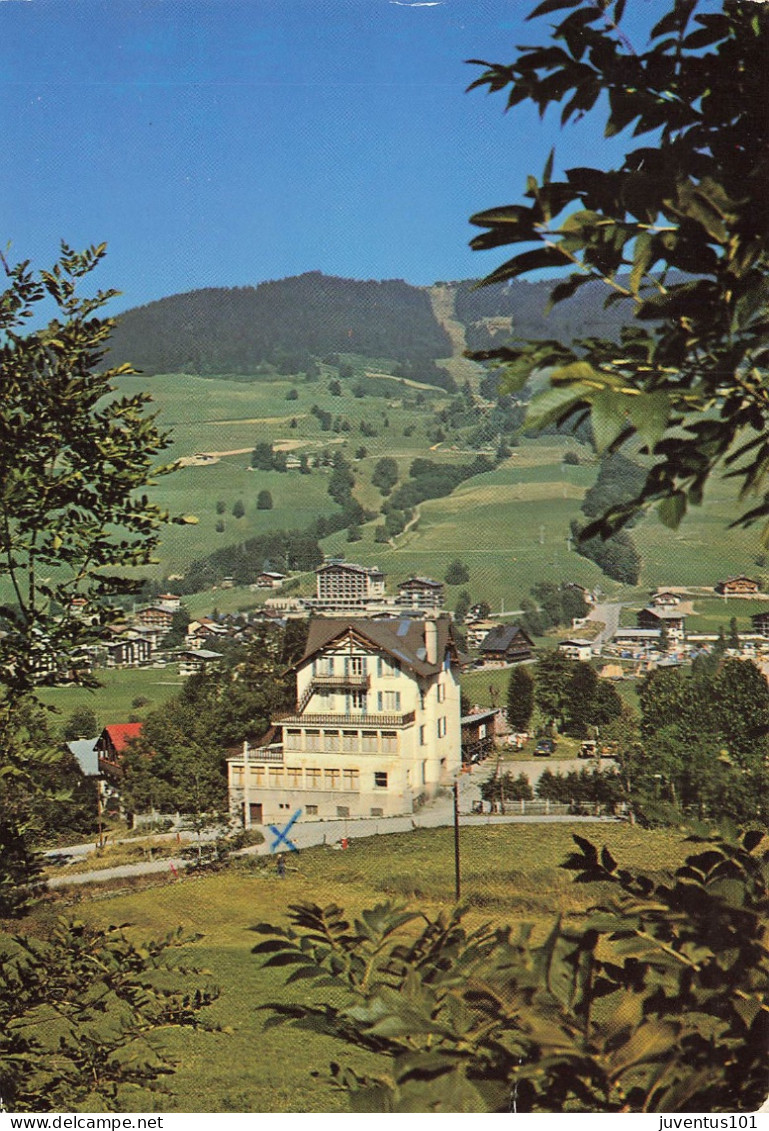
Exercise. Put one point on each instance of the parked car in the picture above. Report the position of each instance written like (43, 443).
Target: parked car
(544, 748)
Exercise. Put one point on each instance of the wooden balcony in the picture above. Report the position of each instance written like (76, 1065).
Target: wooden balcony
(348, 721)
(342, 682)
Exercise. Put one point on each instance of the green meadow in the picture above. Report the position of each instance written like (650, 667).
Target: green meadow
(510, 874)
(116, 701)
(511, 525)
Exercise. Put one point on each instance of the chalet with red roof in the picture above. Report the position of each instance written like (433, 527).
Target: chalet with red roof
(112, 744)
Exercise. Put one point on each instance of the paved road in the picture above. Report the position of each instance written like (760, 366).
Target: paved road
(609, 614)
(310, 834)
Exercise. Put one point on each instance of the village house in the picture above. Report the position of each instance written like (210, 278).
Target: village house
(673, 619)
(576, 649)
(112, 744)
(155, 617)
(128, 651)
(737, 586)
(421, 593)
(192, 661)
(170, 601)
(760, 623)
(662, 598)
(476, 631)
(506, 644)
(268, 579)
(479, 731)
(200, 632)
(375, 730)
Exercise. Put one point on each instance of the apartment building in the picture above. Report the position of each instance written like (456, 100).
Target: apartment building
(375, 730)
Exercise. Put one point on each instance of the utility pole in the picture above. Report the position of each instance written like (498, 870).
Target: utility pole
(457, 882)
(246, 785)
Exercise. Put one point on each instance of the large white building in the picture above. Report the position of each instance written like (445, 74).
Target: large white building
(375, 730)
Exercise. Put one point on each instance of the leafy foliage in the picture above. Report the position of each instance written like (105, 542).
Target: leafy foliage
(75, 461)
(678, 234)
(81, 1014)
(657, 1002)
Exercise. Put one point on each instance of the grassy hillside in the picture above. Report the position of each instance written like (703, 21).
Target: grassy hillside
(510, 874)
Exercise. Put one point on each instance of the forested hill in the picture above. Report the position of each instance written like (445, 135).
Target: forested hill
(283, 324)
(491, 314)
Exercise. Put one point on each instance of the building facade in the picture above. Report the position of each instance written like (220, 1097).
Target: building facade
(375, 731)
(421, 593)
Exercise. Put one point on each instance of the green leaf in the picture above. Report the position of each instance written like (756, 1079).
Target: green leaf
(649, 414)
(672, 509)
(608, 416)
(552, 405)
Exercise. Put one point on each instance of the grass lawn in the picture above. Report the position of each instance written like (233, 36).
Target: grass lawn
(113, 701)
(510, 874)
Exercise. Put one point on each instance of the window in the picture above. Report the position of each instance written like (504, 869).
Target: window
(313, 778)
(422, 738)
(312, 740)
(257, 775)
(388, 701)
(442, 726)
(343, 810)
(357, 700)
(368, 742)
(324, 666)
(424, 773)
(380, 780)
(311, 810)
(441, 692)
(294, 775)
(331, 740)
(351, 779)
(292, 740)
(376, 812)
(349, 741)
(331, 779)
(355, 665)
(389, 742)
(276, 776)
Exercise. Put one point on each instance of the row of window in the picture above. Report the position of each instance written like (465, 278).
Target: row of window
(292, 777)
(346, 741)
(353, 665)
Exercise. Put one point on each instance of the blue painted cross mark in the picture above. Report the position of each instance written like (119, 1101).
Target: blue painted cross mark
(281, 835)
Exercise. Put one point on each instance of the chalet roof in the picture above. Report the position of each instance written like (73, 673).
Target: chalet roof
(86, 755)
(479, 716)
(200, 653)
(575, 643)
(665, 614)
(401, 637)
(120, 734)
(500, 638)
(425, 582)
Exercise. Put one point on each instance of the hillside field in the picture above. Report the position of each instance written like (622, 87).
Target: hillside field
(510, 874)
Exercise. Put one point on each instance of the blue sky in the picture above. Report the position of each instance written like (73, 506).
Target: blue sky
(224, 142)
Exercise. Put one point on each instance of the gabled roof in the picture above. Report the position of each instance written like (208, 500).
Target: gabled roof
(499, 639)
(120, 734)
(400, 637)
(86, 755)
